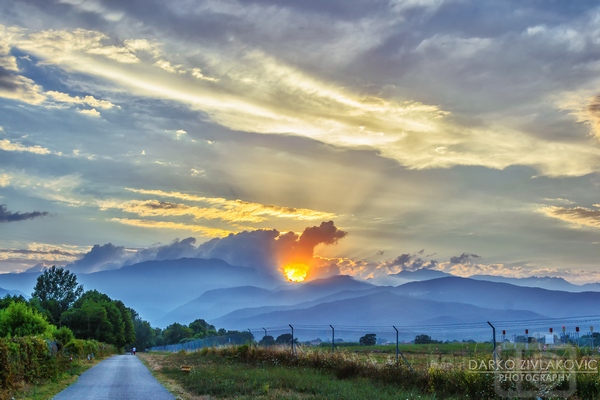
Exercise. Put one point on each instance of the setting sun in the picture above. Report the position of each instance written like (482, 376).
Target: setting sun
(295, 272)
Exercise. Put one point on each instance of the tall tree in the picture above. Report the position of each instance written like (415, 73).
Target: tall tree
(57, 290)
(96, 316)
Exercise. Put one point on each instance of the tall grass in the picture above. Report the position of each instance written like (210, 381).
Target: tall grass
(246, 371)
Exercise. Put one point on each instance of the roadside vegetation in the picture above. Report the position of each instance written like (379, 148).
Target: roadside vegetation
(57, 334)
(245, 372)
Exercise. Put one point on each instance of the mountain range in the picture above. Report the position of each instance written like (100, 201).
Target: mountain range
(234, 297)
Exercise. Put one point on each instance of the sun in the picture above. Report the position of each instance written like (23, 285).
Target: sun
(295, 272)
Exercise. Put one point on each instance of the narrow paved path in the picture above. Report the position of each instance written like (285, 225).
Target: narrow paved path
(117, 378)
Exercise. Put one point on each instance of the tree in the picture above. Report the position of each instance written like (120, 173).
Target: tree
(8, 299)
(202, 329)
(18, 319)
(144, 334)
(369, 339)
(423, 339)
(267, 340)
(96, 316)
(175, 333)
(285, 338)
(57, 290)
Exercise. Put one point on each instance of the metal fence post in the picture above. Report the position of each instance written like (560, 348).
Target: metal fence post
(332, 338)
(293, 349)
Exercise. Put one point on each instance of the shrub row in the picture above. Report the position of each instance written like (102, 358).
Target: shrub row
(26, 360)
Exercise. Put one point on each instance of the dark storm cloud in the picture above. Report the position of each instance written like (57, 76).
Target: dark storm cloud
(463, 258)
(8, 216)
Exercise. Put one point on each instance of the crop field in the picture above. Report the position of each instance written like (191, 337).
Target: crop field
(437, 371)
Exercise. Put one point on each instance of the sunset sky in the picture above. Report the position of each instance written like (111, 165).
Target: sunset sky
(464, 135)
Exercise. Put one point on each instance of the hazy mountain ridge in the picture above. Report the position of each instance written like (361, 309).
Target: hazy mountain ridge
(504, 296)
(382, 308)
(215, 303)
(234, 297)
(544, 282)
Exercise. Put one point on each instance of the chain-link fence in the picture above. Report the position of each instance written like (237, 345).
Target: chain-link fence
(574, 330)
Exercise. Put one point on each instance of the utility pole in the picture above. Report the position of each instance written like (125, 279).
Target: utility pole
(265, 332)
(250, 337)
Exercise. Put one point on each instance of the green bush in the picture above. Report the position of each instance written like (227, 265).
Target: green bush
(18, 319)
(63, 336)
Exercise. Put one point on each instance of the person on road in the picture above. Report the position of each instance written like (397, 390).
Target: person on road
(133, 351)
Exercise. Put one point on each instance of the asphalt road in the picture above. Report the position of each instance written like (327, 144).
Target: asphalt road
(121, 377)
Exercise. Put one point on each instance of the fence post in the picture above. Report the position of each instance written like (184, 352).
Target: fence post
(493, 341)
(332, 338)
(397, 349)
(293, 350)
(399, 352)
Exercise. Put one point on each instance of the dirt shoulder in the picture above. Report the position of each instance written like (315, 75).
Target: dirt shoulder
(155, 363)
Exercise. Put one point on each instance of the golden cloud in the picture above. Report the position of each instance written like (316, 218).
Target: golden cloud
(4, 180)
(576, 215)
(203, 230)
(87, 100)
(7, 145)
(227, 210)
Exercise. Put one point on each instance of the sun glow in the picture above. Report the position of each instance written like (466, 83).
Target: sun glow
(295, 272)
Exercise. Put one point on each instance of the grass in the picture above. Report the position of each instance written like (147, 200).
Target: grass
(241, 372)
(49, 389)
(228, 375)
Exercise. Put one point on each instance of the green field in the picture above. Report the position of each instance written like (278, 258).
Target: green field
(439, 371)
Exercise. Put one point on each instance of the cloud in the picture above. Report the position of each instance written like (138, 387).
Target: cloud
(593, 112)
(220, 208)
(258, 92)
(7, 145)
(576, 215)
(270, 250)
(90, 113)
(99, 258)
(63, 189)
(255, 249)
(410, 262)
(8, 216)
(86, 100)
(41, 252)
(301, 249)
(17, 87)
(204, 230)
(463, 258)
(197, 73)
(4, 180)
(175, 250)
